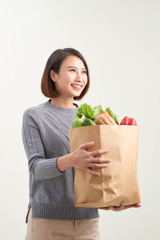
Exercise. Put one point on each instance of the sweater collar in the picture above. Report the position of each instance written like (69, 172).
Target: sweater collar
(60, 109)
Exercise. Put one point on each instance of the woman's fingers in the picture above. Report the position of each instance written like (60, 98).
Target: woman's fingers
(99, 152)
(100, 160)
(92, 172)
(114, 208)
(96, 152)
(133, 205)
(137, 205)
(121, 207)
(98, 165)
(86, 160)
(86, 145)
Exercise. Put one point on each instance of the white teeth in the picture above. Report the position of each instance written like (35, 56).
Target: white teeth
(78, 86)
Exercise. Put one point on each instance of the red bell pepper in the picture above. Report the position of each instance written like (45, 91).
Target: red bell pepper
(128, 121)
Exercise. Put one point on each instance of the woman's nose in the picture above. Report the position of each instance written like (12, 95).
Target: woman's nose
(79, 76)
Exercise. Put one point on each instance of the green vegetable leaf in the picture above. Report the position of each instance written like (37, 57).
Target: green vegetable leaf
(97, 110)
(78, 115)
(86, 110)
(113, 115)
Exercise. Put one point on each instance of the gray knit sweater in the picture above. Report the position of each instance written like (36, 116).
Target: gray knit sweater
(45, 138)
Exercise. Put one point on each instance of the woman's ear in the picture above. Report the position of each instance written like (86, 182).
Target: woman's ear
(52, 75)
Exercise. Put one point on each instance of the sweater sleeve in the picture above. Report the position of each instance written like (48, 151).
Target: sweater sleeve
(40, 166)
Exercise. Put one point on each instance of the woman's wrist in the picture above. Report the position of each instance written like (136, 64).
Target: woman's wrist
(65, 162)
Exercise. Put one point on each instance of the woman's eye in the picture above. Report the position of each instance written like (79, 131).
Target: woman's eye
(73, 70)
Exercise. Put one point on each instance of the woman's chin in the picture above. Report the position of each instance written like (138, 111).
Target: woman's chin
(77, 94)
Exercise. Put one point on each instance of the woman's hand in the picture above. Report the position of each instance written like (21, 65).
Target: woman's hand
(86, 160)
(121, 207)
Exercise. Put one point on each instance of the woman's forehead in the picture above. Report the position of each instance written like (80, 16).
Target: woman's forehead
(73, 61)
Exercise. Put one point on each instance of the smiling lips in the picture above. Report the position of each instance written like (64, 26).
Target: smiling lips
(76, 86)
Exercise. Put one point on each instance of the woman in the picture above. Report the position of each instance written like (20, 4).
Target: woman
(51, 165)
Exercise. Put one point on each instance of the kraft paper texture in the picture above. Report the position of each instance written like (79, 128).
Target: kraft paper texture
(118, 182)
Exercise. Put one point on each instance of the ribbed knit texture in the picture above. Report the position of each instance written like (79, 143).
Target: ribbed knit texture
(45, 138)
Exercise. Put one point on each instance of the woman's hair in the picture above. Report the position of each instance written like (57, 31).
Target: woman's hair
(54, 63)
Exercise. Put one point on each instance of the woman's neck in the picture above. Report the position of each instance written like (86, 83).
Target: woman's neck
(63, 103)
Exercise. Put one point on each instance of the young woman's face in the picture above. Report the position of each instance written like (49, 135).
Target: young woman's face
(72, 77)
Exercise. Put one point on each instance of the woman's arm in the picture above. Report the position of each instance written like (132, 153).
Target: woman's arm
(83, 159)
(41, 167)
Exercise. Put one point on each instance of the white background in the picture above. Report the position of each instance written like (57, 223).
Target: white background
(120, 41)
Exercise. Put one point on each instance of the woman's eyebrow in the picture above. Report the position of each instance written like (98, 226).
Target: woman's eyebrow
(75, 67)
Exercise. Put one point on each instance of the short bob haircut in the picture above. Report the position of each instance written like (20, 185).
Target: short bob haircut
(54, 63)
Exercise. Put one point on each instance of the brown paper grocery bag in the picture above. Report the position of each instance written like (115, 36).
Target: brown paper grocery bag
(118, 182)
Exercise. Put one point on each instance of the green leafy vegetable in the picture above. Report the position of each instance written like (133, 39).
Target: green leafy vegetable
(88, 112)
(79, 115)
(97, 110)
